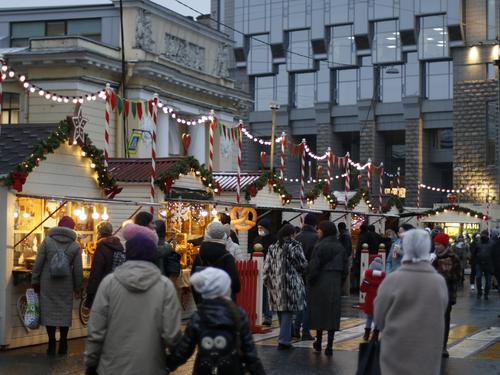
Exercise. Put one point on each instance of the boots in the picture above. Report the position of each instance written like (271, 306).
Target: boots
(51, 333)
(329, 344)
(366, 336)
(317, 343)
(63, 342)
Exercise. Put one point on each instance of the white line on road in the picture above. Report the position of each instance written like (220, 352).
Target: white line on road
(475, 343)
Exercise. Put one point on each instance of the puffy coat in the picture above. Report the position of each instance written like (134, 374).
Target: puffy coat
(327, 269)
(483, 255)
(102, 264)
(56, 294)
(308, 238)
(221, 332)
(235, 250)
(371, 281)
(135, 317)
(283, 270)
(448, 265)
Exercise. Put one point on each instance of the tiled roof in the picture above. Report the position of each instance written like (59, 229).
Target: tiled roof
(17, 141)
(227, 180)
(138, 170)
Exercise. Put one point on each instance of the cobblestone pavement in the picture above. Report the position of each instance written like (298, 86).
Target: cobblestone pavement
(474, 347)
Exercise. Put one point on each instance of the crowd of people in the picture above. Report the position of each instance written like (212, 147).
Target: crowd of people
(305, 272)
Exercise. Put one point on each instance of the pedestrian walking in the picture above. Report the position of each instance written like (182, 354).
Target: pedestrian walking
(472, 260)
(168, 261)
(448, 265)
(57, 276)
(484, 265)
(396, 253)
(389, 239)
(262, 242)
(325, 275)
(232, 247)
(284, 267)
(372, 279)
(108, 255)
(219, 330)
(461, 250)
(135, 316)
(308, 238)
(495, 254)
(213, 253)
(409, 308)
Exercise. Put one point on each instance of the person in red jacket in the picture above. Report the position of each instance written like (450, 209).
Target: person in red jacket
(372, 279)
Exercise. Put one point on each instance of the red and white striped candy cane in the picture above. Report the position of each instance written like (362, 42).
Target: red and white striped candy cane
(347, 179)
(211, 142)
(302, 174)
(418, 194)
(282, 165)
(398, 178)
(153, 151)
(369, 176)
(381, 186)
(238, 176)
(329, 165)
(107, 115)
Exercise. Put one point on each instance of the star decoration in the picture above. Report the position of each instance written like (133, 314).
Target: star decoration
(78, 123)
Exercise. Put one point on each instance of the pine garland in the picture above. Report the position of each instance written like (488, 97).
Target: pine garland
(52, 143)
(185, 166)
(393, 201)
(322, 188)
(454, 208)
(263, 181)
(360, 194)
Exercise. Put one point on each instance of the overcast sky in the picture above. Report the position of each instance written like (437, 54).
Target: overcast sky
(201, 5)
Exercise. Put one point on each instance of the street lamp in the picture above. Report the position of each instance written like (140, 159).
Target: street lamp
(273, 106)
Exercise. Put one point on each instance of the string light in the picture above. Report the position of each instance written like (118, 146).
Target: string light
(105, 215)
(445, 190)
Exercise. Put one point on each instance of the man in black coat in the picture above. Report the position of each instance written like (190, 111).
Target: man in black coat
(346, 242)
(377, 240)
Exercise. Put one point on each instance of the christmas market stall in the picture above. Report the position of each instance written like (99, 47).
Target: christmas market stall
(46, 171)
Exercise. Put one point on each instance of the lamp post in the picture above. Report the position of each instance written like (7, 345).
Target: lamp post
(273, 106)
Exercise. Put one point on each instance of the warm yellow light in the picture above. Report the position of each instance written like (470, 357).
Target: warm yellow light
(77, 212)
(105, 215)
(83, 153)
(473, 54)
(494, 53)
(95, 214)
(92, 165)
(16, 214)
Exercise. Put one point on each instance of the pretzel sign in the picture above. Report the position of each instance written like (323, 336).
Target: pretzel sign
(241, 220)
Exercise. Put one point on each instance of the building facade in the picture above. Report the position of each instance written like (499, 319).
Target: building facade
(76, 50)
(411, 84)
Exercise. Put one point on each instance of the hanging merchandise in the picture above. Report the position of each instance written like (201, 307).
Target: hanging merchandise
(186, 142)
(263, 158)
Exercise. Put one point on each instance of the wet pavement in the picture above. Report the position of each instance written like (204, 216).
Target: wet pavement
(474, 347)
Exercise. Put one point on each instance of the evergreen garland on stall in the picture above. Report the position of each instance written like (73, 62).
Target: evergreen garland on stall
(324, 189)
(264, 179)
(453, 208)
(360, 194)
(393, 201)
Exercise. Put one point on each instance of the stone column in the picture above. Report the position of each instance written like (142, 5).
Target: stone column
(414, 141)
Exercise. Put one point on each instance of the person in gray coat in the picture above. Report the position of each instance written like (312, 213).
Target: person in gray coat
(56, 294)
(409, 308)
(326, 273)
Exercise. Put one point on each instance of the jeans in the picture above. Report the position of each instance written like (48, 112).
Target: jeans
(369, 321)
(302, 321)
(285, 319)
(479, 281)
(268, 314)
(447, 321)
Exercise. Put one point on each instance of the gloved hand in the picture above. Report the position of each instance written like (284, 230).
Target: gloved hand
(36, 288)
(91, 370)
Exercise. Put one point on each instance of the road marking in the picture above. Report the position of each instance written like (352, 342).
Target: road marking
(475, 343)
(491, 352)
(460, 332)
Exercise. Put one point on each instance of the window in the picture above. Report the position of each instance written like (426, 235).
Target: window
(390, 84)
(431, 6)
(10, 108)
(395, 156)
(491, 132)
(264, 87)
(21, 32)
(300, 45)
(365, 88)
(298, 13)
(322, 83)
(304, 90)
(491, 71)
(281, 84)
(342, 50)
(346, 86)
(259, 57)
(492, 24)
(339, 11)
(439, 80)
(411, 75)
(443, 139)
(381, 9)
(386, 43)
(433, 38)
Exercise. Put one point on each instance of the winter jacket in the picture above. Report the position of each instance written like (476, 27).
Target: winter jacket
(135, 317)
(448, 265)
(102, 264)
(346, 242)
(308, 238)
(283, 270)
(369, 238)
(326, 271)
(266, 241)
(235, 250)
(221, 332)
(495, 255)
(483, 256)
(462, 252)
(56, 294)
(371, 281)
(393, 261)
(409, 311)
(214, 254)
(168, 261)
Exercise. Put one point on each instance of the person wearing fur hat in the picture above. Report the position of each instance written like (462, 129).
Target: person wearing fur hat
(56, 292)
(447, 264)
(125, 337)
(213, 253)
(372, 279)
(219, 330)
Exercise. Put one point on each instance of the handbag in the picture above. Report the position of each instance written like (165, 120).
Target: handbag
(369, 356)
(32, 314)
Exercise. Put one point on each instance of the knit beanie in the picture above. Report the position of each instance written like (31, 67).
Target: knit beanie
(140, 247)
(130, 230)
(211, 283)
(67, 222)
(311, 219)
(216, 232)
(376, 264)
(265, 223)
(442, 238)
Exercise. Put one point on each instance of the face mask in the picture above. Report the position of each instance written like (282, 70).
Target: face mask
(262, 232)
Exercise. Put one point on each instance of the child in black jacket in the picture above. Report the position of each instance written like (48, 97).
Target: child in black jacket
(219, 329)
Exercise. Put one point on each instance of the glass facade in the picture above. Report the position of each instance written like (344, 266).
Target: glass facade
(304, 90)
(259, 56)
(342, 50)
(492, 21)
(433, 38)
(439, 80)
(391, 84)
(346, 90)
(299, 51)
(386, 42)
(411, 85)
(264, 93)
(365, 79)
(443, 139)
(322, 91)
(299, 13)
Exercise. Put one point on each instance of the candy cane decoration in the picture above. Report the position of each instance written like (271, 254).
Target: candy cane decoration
(381, 186)
(369, 176)
(211, 142)
(302, 175)
(398, 178)
(107, 115)
(418, 194)
(329, 165)
(347, 178)
(153, 150)
(1, 92)
(238, 176)
(282, 165)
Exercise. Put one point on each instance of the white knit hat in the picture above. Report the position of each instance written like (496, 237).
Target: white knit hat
(216, 232)
(211, 283)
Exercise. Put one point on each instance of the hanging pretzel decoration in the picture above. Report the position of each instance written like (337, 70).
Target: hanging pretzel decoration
(243, 218)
